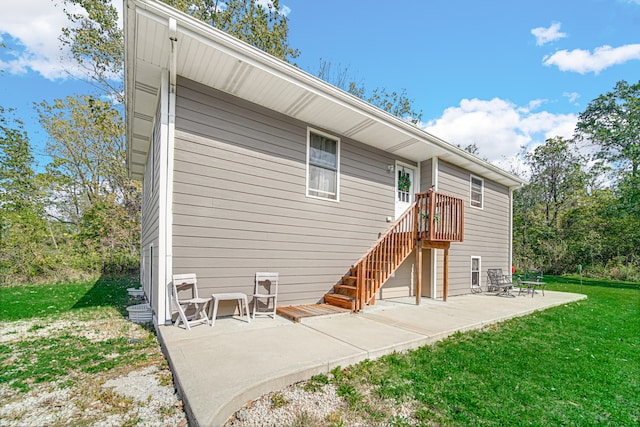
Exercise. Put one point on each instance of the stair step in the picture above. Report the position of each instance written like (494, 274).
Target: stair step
(348, 290)
(349, 280)
(340, 301)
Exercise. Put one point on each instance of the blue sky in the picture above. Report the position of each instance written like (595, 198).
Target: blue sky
(501, 74)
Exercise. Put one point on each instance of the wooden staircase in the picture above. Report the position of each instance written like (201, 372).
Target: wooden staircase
(433, 217)
(344, 294)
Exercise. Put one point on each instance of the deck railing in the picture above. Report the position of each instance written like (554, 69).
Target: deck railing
(433, 216)
(440, 217)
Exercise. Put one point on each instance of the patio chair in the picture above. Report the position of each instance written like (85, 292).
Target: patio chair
(498, 282)
(266, 288)
(191, 310)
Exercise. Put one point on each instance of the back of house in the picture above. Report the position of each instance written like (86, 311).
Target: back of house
(250, 164)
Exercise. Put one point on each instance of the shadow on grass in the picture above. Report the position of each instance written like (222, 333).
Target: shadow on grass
(108, 291)
(33, 301)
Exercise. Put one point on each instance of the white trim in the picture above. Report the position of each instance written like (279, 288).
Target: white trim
(471, 178)
(435, 170)
(171, 135)
(159, 304)
(479, 270)
(335, 138)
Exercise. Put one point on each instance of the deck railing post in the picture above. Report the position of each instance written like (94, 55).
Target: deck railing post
(360, 287)
(432, 214)
(416, 218)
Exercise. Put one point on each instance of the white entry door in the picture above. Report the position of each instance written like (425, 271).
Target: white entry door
(406, 187)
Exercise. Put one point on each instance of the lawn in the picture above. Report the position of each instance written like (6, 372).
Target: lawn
(576, 365)
(62, 345)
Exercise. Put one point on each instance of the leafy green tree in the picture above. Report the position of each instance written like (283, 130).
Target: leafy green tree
(96, 44)
(612, 122)
(89, 180)
(86, 143)
(262, 24)
(17, 178)
(557, 176)
(25, 245)
(558, 181)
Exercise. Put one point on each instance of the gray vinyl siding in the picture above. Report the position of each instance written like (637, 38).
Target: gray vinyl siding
(240, 205)
(426, 177)
(150, 213)
(401, 283)
(486, 232)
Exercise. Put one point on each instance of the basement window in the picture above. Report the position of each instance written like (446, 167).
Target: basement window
(475, 271)
(323, 164)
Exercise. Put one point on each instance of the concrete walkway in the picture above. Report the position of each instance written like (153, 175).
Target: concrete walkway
(218, 369)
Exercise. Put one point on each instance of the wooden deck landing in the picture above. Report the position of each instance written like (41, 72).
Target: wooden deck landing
(298, 312)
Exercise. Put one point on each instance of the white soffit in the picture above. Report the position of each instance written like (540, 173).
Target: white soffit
(213, 58)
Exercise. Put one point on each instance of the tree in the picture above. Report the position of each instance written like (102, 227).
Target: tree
(557, 183)
(97, 44)
(86, 143)
(262, 24)
(612, 122)
(24, 238)
(556, 175)
(89, 180)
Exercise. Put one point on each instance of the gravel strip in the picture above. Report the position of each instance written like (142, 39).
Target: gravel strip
(288, 407)
(143, 396)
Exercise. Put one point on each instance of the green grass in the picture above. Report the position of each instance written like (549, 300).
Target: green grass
(27, 302)
(95, 337)
(575, 365)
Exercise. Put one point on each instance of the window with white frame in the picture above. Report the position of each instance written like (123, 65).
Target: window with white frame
(323, 163)
(475, 271)
(477, 192)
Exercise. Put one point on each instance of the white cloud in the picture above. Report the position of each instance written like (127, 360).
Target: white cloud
(573, 96)
(499, 128)
(35, 26)
(547, 35)
(583, 61)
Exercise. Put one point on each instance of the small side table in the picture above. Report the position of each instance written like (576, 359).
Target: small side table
(237, 296)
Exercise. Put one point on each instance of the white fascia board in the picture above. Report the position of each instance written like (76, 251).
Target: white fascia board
(129, 84)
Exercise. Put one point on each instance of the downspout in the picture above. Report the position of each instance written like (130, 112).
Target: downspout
(160, 296)
(171, 133)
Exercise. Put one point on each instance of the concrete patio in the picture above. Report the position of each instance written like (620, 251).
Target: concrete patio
(218, 369)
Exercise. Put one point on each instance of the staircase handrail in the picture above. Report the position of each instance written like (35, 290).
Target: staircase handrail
(390, 250)
(391, 229)
(432, 216)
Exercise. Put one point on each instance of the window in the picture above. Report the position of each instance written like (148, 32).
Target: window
(475, 271)
(477, 192)
(323, 160)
